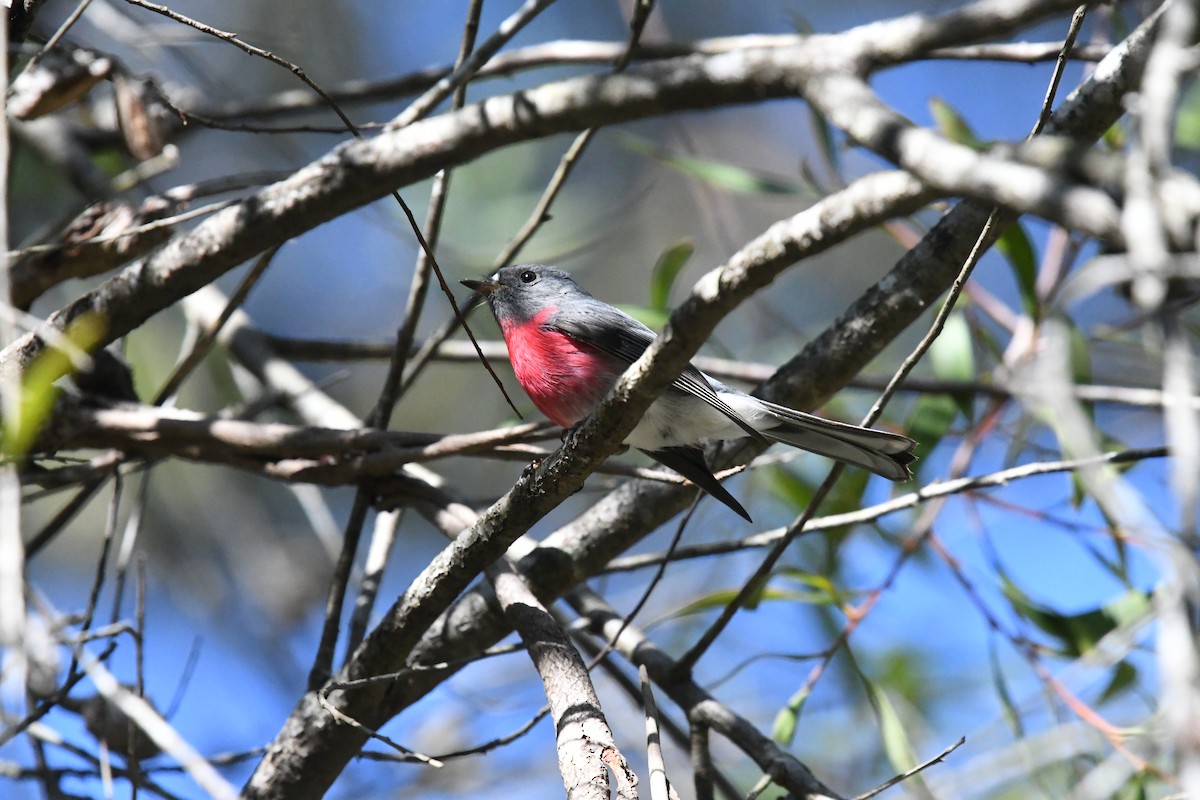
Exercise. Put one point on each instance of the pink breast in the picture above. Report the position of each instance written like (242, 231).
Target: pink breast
(564, 378)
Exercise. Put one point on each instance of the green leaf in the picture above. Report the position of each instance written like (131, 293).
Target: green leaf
(718, 173)
(1016, 248)
(790, 487)
(1011, 714)
(38, 390)
(952, 358)
(929, 421)
(847, 493)
(1124, 676)
(652, 318)
(1081, 356)
(1077, 634)
(784, 729)
(826, 140)
(670, 264)
(1187, 120)
(1135, 788)
(952, 124)
(895, 738)
(823, 590)
(952, 355)
(1079, 491)
(1116, 137)
(723, 597)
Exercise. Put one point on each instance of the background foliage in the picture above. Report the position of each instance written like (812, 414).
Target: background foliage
(1033, 590)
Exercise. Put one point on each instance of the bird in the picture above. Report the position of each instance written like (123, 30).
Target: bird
(568, 348)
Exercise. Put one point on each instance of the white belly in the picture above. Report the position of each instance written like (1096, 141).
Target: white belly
(680, 419)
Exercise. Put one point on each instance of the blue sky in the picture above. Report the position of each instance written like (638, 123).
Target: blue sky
(348, 279)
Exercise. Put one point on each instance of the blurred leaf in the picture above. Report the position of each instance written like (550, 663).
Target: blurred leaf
(1187, 120)
(1130, 607)
(139, 126)
(952, 124)
(1134, 788)
(891, 729)
(1116, 137)
(847, 493)
(951, 355)
(718, 173)
(1081, 358)
(906, 673)
(1079, 633)
(789, 486)
(723, 597)
(652, 318)
(792, 488)
(1124, 675)
(784, 729)
(808, 178)
(952, 358)
(800, 23)
(987, 344)
(1079, 491)
(823, 589)
(929, 421)
(1023, 436)
(38, 389)
(1016, 248)
(669, 265)
(1117, 567)
(110, 160)
(826, 140)
(1011, 714)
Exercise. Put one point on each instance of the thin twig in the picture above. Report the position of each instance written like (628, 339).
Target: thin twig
(940, 757)
(881, 510)
(541, 211)
(340, 716)
(982, 241)
(157, 729)
(209, 337)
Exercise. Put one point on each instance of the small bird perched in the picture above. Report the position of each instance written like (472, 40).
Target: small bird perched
(568, 349)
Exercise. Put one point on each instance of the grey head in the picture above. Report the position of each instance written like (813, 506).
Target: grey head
(520, 292)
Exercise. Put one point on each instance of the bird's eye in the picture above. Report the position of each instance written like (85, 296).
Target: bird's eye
(528, 276)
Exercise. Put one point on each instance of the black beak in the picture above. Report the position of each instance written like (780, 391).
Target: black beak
(485, 287)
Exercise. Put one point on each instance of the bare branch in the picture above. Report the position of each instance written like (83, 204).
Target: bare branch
(158, 730)
(360, 171)
(700, 707)
(586, 545)
(568, 52)
(586, 749)
(881, 510)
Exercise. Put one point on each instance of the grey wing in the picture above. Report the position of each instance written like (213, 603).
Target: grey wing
(614, 332)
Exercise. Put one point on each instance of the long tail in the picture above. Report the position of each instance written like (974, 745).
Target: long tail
(886, 454)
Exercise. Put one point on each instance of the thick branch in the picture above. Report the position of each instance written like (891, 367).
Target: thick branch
(311, 751)
(585, 546)
(360, 171)
(541, 488)
(585, 52)
(585, 743)
(702, 709)
(328, 456)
